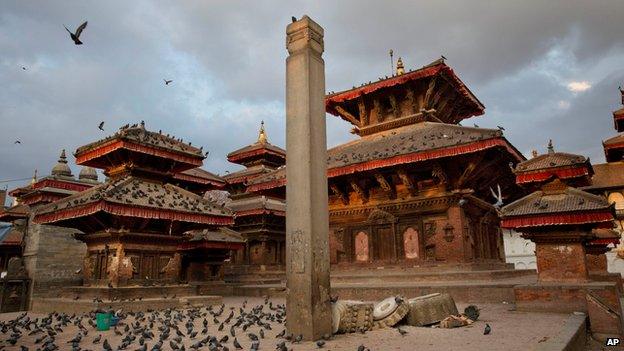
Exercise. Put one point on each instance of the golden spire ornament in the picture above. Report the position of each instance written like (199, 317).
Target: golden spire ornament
(262, 138)
(400, 68)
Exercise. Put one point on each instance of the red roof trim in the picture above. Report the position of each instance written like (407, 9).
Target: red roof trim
(556, 219)
(407, 158)
(545, 175)
(40, 197)
(109, 147)
(243, 155)
(131, 211)
(402, 79)
(260, 212)
(59, 184)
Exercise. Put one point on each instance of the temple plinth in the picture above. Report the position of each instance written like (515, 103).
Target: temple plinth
(134, 223)
(307, 250)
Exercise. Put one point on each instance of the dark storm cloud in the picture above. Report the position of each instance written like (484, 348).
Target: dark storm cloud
(227, 62)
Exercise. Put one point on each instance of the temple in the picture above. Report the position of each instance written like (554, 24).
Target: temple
(415, 187)
(134, 224)
(260, 219)
(50, 254)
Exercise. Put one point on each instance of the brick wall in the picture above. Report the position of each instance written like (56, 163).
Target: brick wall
(52, 256)
(561, 262)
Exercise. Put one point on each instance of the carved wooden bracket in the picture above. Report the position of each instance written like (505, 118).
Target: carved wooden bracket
(407, 181)
(438, 172)
(364, 120)
(430, 89)
(343, 195)
(378, 110)
(396, 108)
(386, 184)
(359, 190)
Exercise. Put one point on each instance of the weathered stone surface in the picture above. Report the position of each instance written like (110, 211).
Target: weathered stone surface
(561, 262)
(430, 309)
(350, 316)
(307, 225)
(603, 318)
(15, 269)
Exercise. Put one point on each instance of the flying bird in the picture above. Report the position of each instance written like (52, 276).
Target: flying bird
(101, 126)
(498, 197)
(294, 19)
(24, 68)
(17, 142)
(168, 81)
(76, 36)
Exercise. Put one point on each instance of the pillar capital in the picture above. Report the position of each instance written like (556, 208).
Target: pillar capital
(304, 33)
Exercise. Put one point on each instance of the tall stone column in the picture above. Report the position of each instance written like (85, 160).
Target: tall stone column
(308, 308)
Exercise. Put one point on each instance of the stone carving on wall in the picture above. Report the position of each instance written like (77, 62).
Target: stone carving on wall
(361, 247)
(410, 243)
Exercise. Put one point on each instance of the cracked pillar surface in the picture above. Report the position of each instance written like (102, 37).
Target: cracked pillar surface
(307, 224)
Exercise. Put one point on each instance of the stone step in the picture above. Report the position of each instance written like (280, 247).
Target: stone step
(461, 291)
(48, 305)
(419, 276)
(127, 292)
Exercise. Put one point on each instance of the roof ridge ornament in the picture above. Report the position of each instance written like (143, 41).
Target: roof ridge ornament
(551, 149)
(262, 138)
(62, 157)
(400, 70)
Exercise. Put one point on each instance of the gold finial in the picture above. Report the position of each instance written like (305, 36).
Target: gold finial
(551, 149)
(34, 178)
(400, 69)
(534, 153)
(262, 138)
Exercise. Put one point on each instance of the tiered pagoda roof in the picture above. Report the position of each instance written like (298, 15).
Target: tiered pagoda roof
(557, 205)
(412, 143)
(139, 164)
(437, 83)
(221, 238)
(259, 158)
(560, 165)
(199, 180)
(258, 205)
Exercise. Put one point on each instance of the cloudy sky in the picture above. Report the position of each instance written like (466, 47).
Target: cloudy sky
(542, 69)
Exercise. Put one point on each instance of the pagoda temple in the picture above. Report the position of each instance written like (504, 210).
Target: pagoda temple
(567, 225)
(134, 223)
(415, 187)
(259, 218)
(51, 255)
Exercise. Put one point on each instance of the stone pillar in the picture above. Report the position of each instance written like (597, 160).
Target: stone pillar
(561, 262)
(307, 216)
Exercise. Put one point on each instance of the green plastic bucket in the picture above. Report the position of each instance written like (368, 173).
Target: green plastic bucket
(102, 321)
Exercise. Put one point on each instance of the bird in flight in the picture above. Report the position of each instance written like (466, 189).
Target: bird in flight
(17, 142)
(101, 126)
(76, 36)
(168, 81)
(24, 68)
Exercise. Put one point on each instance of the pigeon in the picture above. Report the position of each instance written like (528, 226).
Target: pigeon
(167, 82)
(320, 344)
(237, 345)
(294, 19)
(76, 36)
(487, 329)
(101, 126)
(499, 127)
(24, 68)
(498, 196)
(17, 142)
(402, 332)
(462, 202)
(298, 338)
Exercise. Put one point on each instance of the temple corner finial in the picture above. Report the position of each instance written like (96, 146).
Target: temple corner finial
(551, 149)
(34, 178)
(262, 138)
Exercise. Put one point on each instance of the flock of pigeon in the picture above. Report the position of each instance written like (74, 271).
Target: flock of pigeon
(210, 328)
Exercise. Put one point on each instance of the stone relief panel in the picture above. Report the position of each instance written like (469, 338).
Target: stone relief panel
(361, 247)
(410, 243)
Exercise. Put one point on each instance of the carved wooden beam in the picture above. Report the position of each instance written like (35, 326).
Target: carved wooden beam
(407, 181)
(343, 195)
(429, 92)
(438, 172)
(396, 109)
(411, 98)
(362, 111)
(483, 168)
(438, 95)
(386, 184)
(347, 115)
(359, 190)
(468, 170)
(378, 110)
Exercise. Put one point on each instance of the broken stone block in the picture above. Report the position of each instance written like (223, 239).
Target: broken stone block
(389, 312)
(430, 309)
(350, 316)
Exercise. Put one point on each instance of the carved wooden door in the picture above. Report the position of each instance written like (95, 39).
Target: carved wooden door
(384, 243)
(148, 267)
